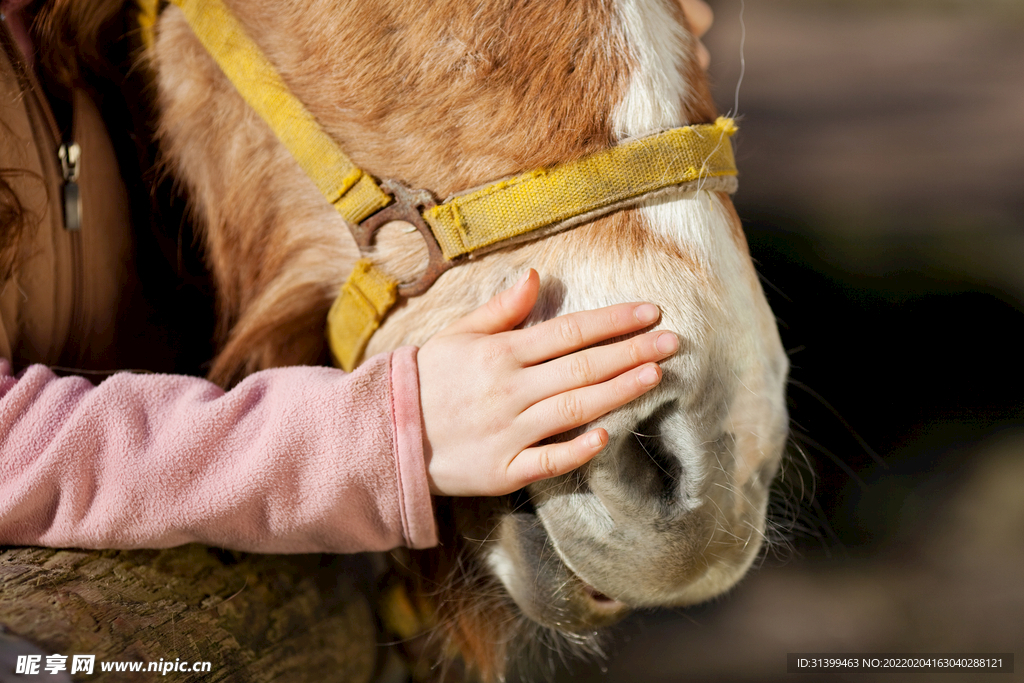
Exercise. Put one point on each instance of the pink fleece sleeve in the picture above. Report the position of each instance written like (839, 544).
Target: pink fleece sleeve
(301, 459)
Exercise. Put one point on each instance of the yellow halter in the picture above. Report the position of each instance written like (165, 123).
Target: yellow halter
(525, 207)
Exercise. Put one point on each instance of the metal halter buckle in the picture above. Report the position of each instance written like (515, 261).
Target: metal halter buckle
(407, 206)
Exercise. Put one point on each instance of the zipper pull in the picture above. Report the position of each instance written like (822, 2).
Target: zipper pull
(70, 154)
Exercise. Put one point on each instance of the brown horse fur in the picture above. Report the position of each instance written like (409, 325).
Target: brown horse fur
(442, 110)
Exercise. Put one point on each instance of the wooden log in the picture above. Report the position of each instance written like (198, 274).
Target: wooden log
(254, 618)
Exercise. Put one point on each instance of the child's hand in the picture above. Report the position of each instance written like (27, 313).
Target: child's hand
(488, 395)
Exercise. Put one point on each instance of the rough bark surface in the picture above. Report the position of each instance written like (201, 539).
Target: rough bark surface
(254, 618)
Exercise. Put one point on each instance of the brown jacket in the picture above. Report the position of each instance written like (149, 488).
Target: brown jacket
(61, 306)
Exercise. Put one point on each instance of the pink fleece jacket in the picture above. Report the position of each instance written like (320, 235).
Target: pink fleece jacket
(301, 459)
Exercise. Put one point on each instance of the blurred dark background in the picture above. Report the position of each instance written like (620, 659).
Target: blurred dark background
(881, 154)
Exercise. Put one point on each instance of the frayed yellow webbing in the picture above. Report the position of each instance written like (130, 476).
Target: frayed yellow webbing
(354, 194)
(364, 300)
(503, 211)
(528, 202)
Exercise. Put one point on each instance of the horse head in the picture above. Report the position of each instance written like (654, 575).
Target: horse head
(446, 96)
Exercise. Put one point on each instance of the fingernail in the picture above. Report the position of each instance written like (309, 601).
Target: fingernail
(646, 313)
(648, 376)
(666, 343)
(594, 440)
(523, 280)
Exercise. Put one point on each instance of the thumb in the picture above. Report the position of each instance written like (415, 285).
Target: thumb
(504, 311)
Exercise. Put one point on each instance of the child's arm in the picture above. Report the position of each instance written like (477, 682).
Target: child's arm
(300, 459)
(310, 459)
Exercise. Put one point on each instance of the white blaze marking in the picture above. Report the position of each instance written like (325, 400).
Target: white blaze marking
(657, 88)
(657, 91)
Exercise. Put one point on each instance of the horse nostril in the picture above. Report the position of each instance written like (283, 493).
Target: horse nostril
(646, 468)
(665, 468)
(655, 454)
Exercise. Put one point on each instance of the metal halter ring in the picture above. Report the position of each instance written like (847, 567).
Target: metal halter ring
(407, 206)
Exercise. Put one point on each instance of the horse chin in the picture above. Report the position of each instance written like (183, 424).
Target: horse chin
(544, 582)
(542, 585)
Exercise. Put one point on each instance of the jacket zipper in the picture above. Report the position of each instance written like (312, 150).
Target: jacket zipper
(69, 157)
(69, 154)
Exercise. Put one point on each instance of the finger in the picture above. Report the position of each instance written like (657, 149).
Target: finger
(551, 460)
(503, 311)
(576, 408)
(699, 15)
(575, 331)
(703, 56)
(596, 364)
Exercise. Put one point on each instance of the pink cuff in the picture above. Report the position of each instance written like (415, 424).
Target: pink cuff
(413, 487)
